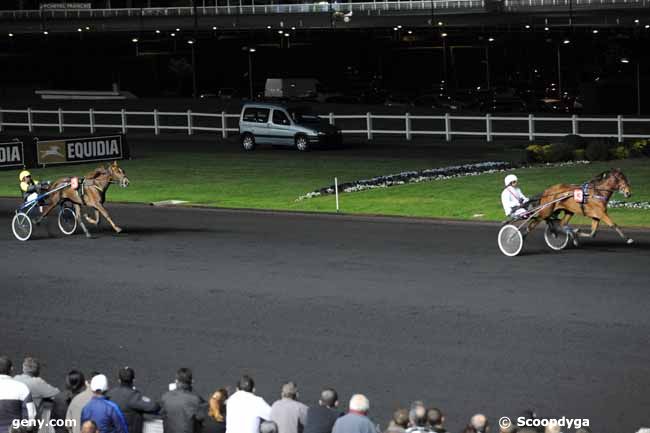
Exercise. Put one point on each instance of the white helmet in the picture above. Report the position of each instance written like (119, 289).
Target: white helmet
(510, 178)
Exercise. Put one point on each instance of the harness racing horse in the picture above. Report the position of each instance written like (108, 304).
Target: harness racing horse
(596, 193)
(91, 192)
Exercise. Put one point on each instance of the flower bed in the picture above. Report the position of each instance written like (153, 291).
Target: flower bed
(427, 175)
(616, 204)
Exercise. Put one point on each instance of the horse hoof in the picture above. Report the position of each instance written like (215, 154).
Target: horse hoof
(118, 230)
(630, 241)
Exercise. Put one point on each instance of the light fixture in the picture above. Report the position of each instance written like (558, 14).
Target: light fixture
(173, 35)
(79, 29)
(157, 32)
(410, 32)
(625, 60)
(214, 27)
(395, 28)
(293, 28)
(280, 32)
(87, 28)
(46, 32)
(527, 26)
(546, 29)
(594, 31)
(135, 40)
(178, 30)
(190, 42)
(440, 23)
(251, 50)
(268, 27)
(399, 27)
(566, 41)
(636, 21)
(647, 26)
(287, 35)
(11, 35)
(491, 40)
(444, 35)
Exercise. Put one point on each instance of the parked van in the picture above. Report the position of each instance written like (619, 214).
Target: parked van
(264, 123)
(290, 88)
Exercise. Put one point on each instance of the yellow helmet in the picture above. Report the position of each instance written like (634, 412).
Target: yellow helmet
(23, 174)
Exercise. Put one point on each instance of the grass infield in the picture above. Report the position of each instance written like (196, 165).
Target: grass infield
(275, 179)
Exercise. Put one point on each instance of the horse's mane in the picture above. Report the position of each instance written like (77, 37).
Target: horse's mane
(601, 176)
(96, 173)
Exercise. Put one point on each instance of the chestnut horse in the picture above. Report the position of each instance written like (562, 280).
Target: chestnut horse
(91, 192)
(599, 190)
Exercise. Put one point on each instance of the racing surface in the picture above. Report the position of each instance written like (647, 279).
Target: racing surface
(398, 309)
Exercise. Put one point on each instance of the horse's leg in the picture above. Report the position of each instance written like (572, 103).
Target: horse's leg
(55, 198)
(594, 228)
(611, 223)
(105, 214)
(77, 211)
(93, 221)
(531, 225)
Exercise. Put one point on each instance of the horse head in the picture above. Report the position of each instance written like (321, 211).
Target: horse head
(622, 185)
(117, 174)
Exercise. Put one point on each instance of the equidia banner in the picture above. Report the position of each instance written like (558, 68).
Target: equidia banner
(12, 154)
(79, 150)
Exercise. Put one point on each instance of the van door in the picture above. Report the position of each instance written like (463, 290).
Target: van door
(281, 128)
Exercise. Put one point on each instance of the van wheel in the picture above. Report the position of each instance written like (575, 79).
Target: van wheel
(248, 142)
(302, 144)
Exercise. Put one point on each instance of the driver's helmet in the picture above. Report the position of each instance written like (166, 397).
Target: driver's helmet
(509, 179)
(23, 174)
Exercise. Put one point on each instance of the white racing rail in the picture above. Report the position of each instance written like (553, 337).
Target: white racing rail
(448, 126)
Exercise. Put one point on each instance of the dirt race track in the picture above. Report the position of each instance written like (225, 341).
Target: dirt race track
(398, 309)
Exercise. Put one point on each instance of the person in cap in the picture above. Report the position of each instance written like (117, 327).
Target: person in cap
(29, 187)
(512, 199)
(106, 414)
(288, 413)
(131, 401)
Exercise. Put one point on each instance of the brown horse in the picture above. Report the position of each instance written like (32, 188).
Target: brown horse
(91, 192)
(599, 190)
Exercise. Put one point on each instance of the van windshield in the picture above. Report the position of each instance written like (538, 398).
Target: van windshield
(301, 115)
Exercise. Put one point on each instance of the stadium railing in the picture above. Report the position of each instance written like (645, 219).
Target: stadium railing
(487, 126)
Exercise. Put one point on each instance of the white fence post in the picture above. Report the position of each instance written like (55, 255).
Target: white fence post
(447, 127)
(574, 125)
(331, 118)
(407, 124)
(60, 117)
(369, 124)
(156, 122)
(123, 116)
(224, 125)
(29, 120)
(488, 127)
(91, 119)
(531, 128)
(336, 191)
(189, 122)
(619, 124)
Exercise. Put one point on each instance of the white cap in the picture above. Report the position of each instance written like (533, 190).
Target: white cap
(99, 383)
(510, 178)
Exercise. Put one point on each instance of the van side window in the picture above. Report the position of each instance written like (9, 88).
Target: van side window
(279, 118)
(258, 115)
(263, 115)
